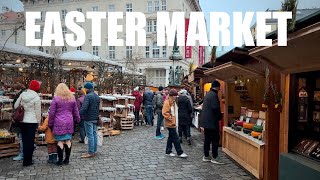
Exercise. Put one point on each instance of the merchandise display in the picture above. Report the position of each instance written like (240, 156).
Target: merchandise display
(257, 128)
(248, 125)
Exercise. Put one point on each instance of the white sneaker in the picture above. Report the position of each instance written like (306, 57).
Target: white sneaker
(206, 159)
(214, 161)
(171, 154)
(162, 128)
(183, 155)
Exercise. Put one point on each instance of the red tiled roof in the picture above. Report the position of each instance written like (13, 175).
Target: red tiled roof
(11, 16)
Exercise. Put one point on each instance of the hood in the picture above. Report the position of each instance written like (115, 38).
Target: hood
(135, 93)
(29, 96)
(183, 91)
(159, 92)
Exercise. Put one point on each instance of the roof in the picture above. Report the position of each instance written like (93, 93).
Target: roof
(11, 16)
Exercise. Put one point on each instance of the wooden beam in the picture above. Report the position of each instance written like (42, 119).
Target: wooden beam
(267, 61)
(284, 115)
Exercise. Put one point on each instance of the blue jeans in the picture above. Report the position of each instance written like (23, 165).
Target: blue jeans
(149, 112)
(159, 123)
(91, 132)
(82, 130)
(20, 144)
(173, 139)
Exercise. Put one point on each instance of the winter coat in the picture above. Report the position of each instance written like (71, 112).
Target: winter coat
(62, 114)
(90, 107)
(80, 101)
(169, 113)
(211, 112)
(158, 101)
(148, 98)
(49, 134)
(31, 103)
(184, 111)
(138, 100)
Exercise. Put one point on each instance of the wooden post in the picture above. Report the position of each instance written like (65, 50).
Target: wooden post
(284, 115)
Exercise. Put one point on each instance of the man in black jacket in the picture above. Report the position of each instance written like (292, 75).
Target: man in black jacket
(211, 115)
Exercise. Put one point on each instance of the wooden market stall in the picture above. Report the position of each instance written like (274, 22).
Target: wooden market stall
(299, 127)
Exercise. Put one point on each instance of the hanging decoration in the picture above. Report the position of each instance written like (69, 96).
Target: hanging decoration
(277, 97)
(266, 96)
(207, 87)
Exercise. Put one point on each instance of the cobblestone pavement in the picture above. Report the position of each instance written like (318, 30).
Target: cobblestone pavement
(134, 154)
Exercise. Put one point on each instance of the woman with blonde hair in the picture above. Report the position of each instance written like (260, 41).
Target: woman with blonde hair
(63, 112)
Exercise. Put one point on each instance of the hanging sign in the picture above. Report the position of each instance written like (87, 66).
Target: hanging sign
(187, 49)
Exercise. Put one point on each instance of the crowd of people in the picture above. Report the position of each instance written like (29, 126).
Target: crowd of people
(173, 109)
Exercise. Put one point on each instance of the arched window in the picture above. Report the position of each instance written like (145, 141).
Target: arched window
(64, 49)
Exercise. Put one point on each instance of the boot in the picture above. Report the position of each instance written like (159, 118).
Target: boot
(60, 156)
(54, 158)
(189, 140)
(50, 159)
(68, 152)
(180, 138)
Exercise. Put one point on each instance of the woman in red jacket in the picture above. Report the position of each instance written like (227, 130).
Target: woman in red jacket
(137, 104)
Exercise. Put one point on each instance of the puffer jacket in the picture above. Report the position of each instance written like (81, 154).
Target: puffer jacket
(184, 111)
(211, 112)
(148, 98)
(31, 103)
(90, 107)
(138, 100)
(158, 102)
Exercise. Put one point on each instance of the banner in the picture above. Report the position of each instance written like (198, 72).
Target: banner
(187, 49)
(201, 55)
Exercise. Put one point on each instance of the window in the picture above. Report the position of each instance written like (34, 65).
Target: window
(3, 32)
(95, 8)
(112, 8)
(164, 51)
(149, 26)
(63, 14)
(147, 52)
(129, 52)
(149, 6)
(155, 50)
(79, 9)
(41, 49)
(129, 7)
(42, 16)
(64, 49)
(156, 6)
(64, 31)
(164, 5)
(156, 77)
(41, 32)
(95, 50)
(112, 52)
(79, 48)
(155, 25)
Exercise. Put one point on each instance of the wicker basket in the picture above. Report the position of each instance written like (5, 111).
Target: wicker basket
(7, 140)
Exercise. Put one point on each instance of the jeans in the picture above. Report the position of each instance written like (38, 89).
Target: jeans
(28, 131)
(159, 123)
(136, 117)
(82, 130)
(185, 129)
(20, 143)
(149, 113)
(211, 136)
(91, 132)
(173, 139)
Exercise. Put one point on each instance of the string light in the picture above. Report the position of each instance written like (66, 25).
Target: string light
(69, 64)
(20, 69)
(18, 60)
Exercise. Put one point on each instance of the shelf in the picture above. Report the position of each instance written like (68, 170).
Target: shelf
(241, 90)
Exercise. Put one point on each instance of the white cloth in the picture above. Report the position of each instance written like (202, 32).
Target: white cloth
(31, 103)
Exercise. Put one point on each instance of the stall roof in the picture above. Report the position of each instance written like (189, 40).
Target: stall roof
(23, 50)
(228, 71)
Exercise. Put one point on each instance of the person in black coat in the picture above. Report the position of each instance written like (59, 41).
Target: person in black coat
(211, 115)
(184, 116)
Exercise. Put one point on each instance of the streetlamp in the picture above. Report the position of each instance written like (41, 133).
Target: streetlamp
(175, 56)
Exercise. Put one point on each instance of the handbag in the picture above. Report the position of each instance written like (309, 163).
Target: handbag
(100, 123)
(18, 114)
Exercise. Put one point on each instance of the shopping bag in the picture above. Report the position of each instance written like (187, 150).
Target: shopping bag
(100, 139)
(86, 140)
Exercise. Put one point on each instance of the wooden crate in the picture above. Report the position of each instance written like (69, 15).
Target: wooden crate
(107, 103)
(11, 149)
(122, 112)
(40, 141)
(127, 123)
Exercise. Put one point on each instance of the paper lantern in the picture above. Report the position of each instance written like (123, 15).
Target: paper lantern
(89, 77)
(207, 87)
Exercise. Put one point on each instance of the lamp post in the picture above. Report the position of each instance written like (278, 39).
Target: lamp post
(175, 56)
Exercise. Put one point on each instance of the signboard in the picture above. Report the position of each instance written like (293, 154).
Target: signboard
(201, 55)
(187, 49)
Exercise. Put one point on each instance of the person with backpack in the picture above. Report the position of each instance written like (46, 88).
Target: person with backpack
(184, 116)
(148, 105)
(158, 105)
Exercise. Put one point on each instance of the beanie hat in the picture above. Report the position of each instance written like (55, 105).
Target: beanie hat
(160, 88)
(88, 85)
(34, 85)
(173, 92)
(73, 90)
(215, 84)
(136, 88)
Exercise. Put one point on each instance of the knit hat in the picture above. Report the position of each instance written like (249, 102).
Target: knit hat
(34, 85)
(88, 85)
(183, 92)
(173, 92)
(73, 90)
(215, 84)
(160, 88)
(136, 88)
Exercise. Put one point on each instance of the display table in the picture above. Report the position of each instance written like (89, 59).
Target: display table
(245, 150)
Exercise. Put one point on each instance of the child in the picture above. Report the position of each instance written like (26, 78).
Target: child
(51, 143)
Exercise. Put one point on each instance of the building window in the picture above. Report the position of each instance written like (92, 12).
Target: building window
(63, 14)
(112, 8)
(79, 9)
(155, 50)
(95, 8)
(95, 50)
(154, 25)
(41, 49)
(64, 31)
(156, 77)
(129, 7)
(129, 52)
(42, 16)
(3, 32)
(164, 5)
(147, 52)
(156, 6)
(149, 6)
(149, 26)
(164, 51)
(41, 32)
(112, 52)
(79, 48)
(64, 49)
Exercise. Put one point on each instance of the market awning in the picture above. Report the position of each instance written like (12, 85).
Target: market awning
(230, 70)
(301, 54)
